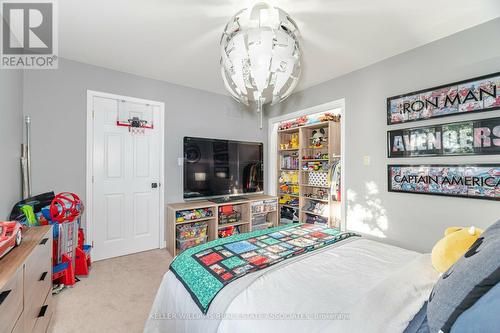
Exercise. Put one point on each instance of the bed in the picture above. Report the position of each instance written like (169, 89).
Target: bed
(356, 285)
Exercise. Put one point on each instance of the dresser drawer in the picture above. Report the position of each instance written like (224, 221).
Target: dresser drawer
(37, 280)
(11, 301)
(19, 328)
(44, 315)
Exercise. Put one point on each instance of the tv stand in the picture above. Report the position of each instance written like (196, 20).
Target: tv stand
(227, 199)
(256, 212)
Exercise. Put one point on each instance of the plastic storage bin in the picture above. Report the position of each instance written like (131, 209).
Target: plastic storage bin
(260, 226)
(264, 206)
(259, 219)
(235, 216)
(187, 243)
(191, 230)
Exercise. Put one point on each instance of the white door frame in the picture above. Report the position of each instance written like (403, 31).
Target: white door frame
(89, 226)
(273, 153)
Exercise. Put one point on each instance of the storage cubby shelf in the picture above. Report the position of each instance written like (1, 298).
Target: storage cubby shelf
(311, 182)
(255, 207)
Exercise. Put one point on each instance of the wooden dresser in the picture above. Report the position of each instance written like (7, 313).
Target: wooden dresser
(26, 283)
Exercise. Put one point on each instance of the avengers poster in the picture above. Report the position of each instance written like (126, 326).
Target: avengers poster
(481, 181)
(474, 137)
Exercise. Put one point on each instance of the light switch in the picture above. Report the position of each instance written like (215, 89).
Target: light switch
(366, 160)
(180, 161)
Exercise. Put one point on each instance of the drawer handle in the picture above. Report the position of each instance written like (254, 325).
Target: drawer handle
(42, 311)
(44, 274)
(4, 295)
(43, 241)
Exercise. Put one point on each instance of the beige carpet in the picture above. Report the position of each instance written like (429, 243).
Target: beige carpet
(116, 297)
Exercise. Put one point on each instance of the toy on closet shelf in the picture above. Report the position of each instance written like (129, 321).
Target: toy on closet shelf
(289, 189)
(318, 137)
(284, 146)
(327, 116)
(294, 141)
(289, 177)
(288, 200)
(292, 144)
(317, 156)
(315, 166)
(320, 194)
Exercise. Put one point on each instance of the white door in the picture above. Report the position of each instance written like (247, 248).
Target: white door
(126, 167)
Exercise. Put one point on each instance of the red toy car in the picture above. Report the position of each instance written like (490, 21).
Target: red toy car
(10, 236)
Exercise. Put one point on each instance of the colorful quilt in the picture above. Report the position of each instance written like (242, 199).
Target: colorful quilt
(205, 269)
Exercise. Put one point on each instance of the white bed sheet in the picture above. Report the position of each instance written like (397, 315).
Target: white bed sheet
(338, 280)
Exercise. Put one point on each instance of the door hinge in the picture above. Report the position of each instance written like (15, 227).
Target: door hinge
(92, 179)
(93, 114)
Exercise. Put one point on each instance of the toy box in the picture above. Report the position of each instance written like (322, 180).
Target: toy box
(228, 215)
(264, 206)
(187, 243)
(228, 231)
(191, 230)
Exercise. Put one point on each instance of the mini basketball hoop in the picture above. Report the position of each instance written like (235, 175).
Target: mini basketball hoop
(138, 126)
(137, 117)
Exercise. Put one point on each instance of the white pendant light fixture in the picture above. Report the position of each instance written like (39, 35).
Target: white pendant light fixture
(260, 56)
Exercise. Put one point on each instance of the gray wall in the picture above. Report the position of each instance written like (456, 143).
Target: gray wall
(56, 101)
(11, 92)
(410, 220)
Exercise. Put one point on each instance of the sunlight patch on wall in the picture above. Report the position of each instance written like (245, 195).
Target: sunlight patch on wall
(370, 218)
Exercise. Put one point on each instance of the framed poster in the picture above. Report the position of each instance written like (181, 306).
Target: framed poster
(479, 181)
(473, 137)
(473, 95)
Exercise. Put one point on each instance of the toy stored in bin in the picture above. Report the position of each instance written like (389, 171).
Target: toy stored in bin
(193, 214)
(227, 214)
(229, 231)
(187, 243)
(260, 226)
(191, 230)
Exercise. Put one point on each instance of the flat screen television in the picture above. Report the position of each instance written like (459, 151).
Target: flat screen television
(222, 168)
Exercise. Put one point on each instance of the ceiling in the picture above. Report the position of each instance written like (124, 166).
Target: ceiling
(178, 40)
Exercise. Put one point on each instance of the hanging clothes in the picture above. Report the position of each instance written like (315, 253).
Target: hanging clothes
(334, 179)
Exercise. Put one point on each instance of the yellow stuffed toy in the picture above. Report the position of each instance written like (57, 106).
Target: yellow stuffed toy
(455, 243)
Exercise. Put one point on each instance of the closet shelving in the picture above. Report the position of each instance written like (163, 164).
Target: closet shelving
(302, 153)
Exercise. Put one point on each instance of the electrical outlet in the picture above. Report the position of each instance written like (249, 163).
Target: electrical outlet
(366, 160)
